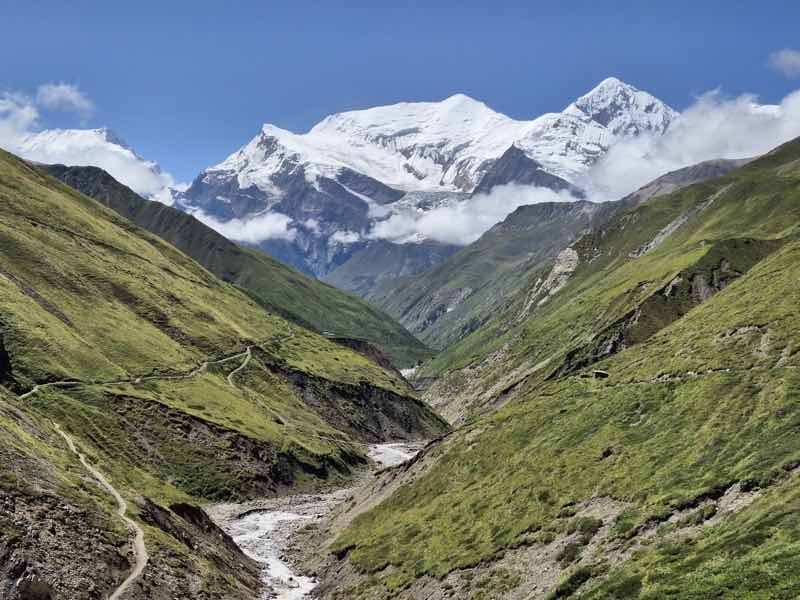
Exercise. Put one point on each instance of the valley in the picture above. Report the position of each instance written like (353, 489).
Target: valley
(410, 350)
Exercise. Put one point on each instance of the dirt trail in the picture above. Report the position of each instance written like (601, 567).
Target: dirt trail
(247, 356)
(139, 549)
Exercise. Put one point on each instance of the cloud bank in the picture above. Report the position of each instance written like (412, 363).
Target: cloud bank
(64, 96)
(463, 222)
(266, 226)
(712, 127)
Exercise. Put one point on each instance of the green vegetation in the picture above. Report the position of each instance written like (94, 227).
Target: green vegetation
(702, 397)
(445, 304)
(753, 212)
(282, 290)
(87, 296)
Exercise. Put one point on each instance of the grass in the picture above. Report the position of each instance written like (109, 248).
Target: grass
(751, 204)
(280, 289)
(706, 400)
(86, 295)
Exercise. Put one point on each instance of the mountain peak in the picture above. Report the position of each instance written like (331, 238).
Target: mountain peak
(622, 108)
(112, 137)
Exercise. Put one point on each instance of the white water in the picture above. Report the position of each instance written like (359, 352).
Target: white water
(257, 534)
(262, 528)
(391, 455)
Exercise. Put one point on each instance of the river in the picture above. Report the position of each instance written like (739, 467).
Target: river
(263, 528)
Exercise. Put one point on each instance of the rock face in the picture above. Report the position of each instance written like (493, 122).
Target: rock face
(514, 166)
(333, 184)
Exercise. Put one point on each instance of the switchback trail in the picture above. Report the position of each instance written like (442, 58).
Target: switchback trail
(139, 549)
(247, 354)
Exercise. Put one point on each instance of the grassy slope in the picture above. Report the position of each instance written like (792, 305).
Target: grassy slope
(447, 303)
(608, 284)
(279, 288)
(705, 402)
(86, 295)
(58, 509)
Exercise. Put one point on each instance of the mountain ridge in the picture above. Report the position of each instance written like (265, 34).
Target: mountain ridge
(299, 298)
(400, 155)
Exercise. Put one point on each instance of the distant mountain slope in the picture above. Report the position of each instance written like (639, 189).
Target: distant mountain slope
(541, 293)
(449, 302)
(354, 169)
(644, 439)
(281, 289)
(176, 386)
(458, 296)
(381, 262)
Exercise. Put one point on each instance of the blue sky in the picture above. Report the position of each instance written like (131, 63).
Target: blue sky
(186, 83)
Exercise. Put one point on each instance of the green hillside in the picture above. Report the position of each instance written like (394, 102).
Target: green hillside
(644, 442)
(447, 303)
(281, 289)
(178, 387)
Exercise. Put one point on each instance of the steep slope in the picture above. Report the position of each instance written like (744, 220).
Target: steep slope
(662, 463)
(354, 169)
(449, 302)
(299, 298)
(178, 388)
(454, 299)
(381, 263)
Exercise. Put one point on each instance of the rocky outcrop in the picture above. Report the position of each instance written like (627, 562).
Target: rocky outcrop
(516, 167)
(368, 413)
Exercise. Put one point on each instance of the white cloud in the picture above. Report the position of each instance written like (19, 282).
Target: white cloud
(65, 96)
(713, 127)
(786, 61)
(20, 116)
(266, 226)
(312, 225)
(345, 237)
(17, 115)
(463, 222)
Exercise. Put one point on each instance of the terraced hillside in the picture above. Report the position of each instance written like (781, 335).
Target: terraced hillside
(176, 387)
(643, 442)
(281, 289)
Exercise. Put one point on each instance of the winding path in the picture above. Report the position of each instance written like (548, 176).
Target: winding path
(248, 354)
(139, 549)
(141, 556)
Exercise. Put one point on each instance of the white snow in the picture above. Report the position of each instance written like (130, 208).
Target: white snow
(100, 148)
(393, 454)
(446, 146)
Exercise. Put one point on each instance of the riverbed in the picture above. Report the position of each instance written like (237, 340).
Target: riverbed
(263, 528)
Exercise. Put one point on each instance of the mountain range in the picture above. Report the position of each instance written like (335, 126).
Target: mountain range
(331, 186)
(626, 426)
(603, 402)
(124, 362)
(354, 187)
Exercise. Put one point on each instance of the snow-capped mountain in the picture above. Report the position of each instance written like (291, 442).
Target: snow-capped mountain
(100, 148)
(354, 169)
